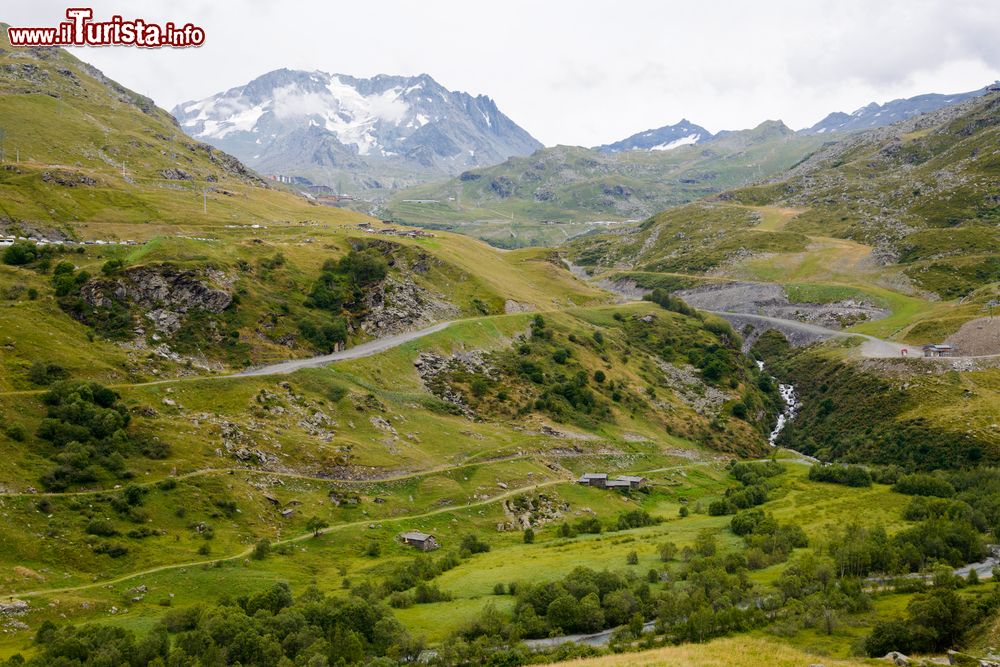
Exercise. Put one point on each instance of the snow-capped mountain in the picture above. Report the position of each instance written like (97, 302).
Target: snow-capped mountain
(665, 138)
(878, 115)
(387, 131)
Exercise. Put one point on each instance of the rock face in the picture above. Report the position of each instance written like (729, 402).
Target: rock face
(386, 131)
(433, 370)
(772, 301)
(165, 293)
(879, 115)
(397, 304)
(528, 511)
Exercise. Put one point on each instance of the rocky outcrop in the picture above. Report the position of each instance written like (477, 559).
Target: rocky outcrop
(435, 369)
(176, 175)
(772, 301)
(512, 306)
(398, 304)
(69, 179)
(527, 511)
(165, 294)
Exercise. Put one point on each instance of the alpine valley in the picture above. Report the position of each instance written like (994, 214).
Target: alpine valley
(723, 398)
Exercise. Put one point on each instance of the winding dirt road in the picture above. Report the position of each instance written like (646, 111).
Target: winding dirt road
(356, 352)
(871, 347)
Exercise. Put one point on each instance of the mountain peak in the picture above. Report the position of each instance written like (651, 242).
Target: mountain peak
(665, 138)
(874, 114)
(299, 123)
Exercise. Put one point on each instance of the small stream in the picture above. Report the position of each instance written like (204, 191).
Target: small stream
(787, 392)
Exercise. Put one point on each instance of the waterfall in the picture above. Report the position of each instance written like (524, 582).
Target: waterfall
(787, 392)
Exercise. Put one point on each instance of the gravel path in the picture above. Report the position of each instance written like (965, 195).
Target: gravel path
(871, 347)
(356, 352)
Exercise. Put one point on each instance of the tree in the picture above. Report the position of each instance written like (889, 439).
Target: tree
(705, 544)
(529, 535)
(599, 376)
(668, 551)
(316, 525)
(590, 616)
(888, 636)
(262, 549)
(619, 606)
(471, 544)
(364, 267)
(563, 612)
(20, 253)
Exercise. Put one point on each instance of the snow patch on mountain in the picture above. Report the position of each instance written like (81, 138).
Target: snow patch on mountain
(668, 137)
(313, 123)
(677, 143)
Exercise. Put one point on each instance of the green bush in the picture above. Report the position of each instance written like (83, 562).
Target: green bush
(849, 475)
(20, 253)
(920, 484)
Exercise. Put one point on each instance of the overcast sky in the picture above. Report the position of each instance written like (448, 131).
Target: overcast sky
(577, 71)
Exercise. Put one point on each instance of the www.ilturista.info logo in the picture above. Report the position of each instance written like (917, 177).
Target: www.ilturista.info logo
(80, 30)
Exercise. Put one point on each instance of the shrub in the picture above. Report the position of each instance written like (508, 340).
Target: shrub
(20, 253)
(262, 549)
(849, 475)
(920, 484)
(667, 551)
(102, 528)
(16, 432)
(44, 374)
(471, 544)
(112, 267)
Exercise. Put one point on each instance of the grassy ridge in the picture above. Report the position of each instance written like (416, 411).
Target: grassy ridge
(559, 192)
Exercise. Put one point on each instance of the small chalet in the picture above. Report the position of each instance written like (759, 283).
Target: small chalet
(633, 481)
(421, 541)
(617, 484)
(599, 479)
(939, 350)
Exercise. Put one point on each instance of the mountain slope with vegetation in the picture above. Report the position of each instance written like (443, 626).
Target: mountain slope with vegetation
(912, 204)
(894, 232)
(153, 254)
(549, 196)
(162, 508)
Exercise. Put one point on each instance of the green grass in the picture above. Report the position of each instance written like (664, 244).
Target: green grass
(558, 193)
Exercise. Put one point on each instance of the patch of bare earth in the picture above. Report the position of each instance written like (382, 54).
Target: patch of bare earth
(977, 337)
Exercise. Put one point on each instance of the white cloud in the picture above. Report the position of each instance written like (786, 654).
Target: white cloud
(584, 71)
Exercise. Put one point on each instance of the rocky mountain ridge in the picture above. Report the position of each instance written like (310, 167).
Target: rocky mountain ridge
(335, 129)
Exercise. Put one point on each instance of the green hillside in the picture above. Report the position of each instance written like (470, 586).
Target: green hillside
(162, 506)
(901, 219)
(552, 195)
(903, 212)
